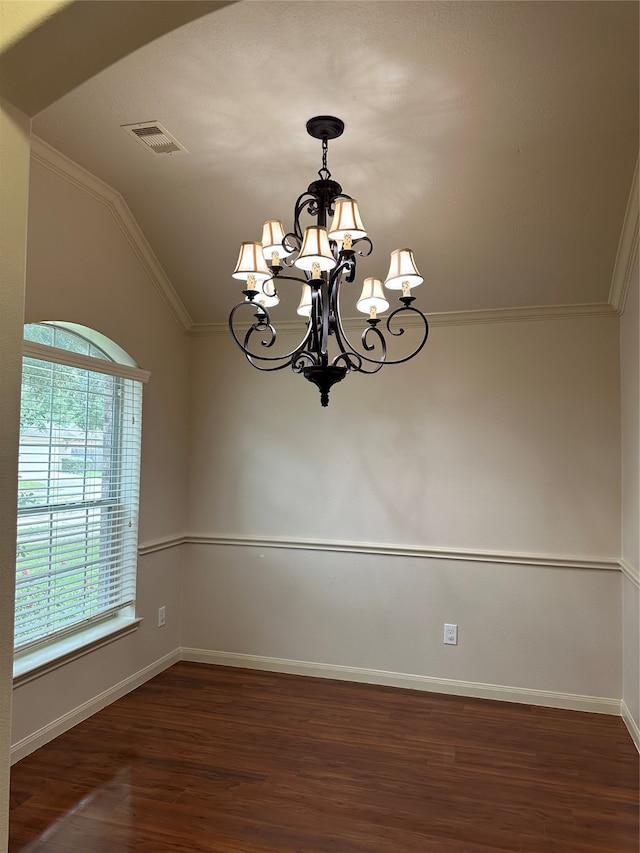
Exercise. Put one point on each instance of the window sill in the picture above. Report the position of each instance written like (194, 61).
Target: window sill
(41, 661)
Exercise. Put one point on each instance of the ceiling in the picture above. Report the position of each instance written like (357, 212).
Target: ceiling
(498, 140)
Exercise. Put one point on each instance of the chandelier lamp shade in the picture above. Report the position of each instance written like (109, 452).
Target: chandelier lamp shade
(323, 254)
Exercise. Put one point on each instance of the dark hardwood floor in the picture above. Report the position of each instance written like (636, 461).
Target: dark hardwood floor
(206, 758)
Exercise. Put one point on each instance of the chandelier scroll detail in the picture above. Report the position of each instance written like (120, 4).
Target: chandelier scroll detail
(324, 259)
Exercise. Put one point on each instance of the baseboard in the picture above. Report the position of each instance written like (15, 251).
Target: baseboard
(630, 723)
(67, 721)
(497, 692)
(546, 698)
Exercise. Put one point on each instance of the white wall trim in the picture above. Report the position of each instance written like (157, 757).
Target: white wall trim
(449, 318)
(549, 699)
(62, 724)
(524, 559)
(59, 164)
(630, 723)
(515, 558)
(627, 249)
(630, 572)
(496, 692)
(160, 545)
(35, 664)
(56, 162)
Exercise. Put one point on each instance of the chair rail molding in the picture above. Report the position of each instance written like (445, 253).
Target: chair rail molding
(419, 551)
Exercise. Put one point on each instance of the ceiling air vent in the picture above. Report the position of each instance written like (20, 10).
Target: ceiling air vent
(155, 138)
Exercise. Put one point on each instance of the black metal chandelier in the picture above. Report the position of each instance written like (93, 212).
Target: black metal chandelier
(327, 258)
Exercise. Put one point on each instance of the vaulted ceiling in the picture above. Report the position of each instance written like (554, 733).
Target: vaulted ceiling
(498, 140)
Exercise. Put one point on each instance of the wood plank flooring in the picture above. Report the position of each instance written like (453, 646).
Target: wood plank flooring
(206, 759)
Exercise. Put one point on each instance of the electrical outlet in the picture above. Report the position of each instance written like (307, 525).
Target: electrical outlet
(450, 635)
(161, 616)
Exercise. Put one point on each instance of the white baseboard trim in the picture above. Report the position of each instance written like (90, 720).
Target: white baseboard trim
(546, 698)
(67, 721)
(630, 723)
(496, 692)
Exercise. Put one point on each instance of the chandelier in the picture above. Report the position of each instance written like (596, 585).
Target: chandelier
(324, 258)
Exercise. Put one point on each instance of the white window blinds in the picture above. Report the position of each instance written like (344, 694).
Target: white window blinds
(78, 487)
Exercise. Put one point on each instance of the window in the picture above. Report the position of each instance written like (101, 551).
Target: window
(78, 489)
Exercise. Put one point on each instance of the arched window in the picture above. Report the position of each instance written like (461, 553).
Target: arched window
(78, 487)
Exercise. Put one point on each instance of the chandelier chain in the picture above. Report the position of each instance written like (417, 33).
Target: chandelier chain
(324, 172)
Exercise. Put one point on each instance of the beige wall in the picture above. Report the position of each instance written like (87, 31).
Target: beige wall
(630, 381)
(81, 268)
(503, 437)
(530, 628)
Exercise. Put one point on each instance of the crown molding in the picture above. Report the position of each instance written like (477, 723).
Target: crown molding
(627, 249)
(59, 164)
(446, 318)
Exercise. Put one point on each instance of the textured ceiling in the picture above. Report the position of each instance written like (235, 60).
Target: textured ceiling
(498, 140)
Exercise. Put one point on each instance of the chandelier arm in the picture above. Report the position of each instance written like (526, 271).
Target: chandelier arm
(348, 356)
(265, 369)
(279, 277)
(311, 201)
(401, 331)
(352, 361)
(360, 251)
(298, 361)
(344, 265)
(346, 345)
(260, 326)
